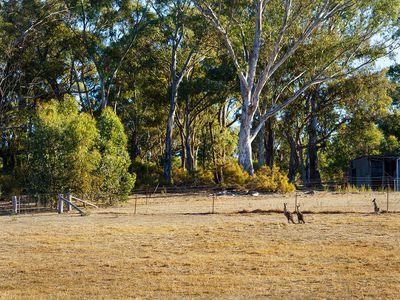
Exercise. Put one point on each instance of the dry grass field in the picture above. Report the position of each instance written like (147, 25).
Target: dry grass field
(173, 248)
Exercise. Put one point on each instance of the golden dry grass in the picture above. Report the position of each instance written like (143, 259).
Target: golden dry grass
(171, 250)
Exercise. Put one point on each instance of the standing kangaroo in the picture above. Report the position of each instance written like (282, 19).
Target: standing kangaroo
(300, 218)
(376, 207)
(287, 214)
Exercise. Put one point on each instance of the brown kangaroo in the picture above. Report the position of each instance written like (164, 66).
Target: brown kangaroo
(287, 214)
(376, 207)
(300, 217)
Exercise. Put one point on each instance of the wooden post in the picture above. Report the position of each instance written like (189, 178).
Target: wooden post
(213, 203)
(69, 198)
(135, 203)
(14, 204)
(387, 199)
(155, 190)
(60, 204)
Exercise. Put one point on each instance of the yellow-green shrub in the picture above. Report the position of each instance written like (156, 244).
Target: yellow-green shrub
(234, 175)
(203, 177)
(180, 176)
(199, 177)
(270, 180)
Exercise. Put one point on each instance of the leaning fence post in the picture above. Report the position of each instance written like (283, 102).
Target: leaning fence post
(69, 198)
(14, 204)
(60, 204)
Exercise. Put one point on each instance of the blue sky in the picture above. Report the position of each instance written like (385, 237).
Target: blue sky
(386, 62)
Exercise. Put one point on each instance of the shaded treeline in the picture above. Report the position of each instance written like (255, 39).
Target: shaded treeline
(199, 84)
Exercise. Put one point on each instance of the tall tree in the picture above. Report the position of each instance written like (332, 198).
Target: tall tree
(278, 29)
(175, 24)
(108, 31)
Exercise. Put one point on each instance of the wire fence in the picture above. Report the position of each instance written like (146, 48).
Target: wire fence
(30, 203)
(231, 202)
(207, 199)
(36, 203)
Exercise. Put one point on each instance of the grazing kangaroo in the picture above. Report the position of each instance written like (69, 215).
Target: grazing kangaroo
(300, 218)
(287, 214)
(376, 207)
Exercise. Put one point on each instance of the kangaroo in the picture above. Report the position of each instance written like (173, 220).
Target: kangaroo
(376, 207)
(300, 218)
(287, 214)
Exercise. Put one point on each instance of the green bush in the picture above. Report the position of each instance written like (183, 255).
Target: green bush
(61, 151)
(113, 173)
(148, 173)
(8, 185)
(71, 151)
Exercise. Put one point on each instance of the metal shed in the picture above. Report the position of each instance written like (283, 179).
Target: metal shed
(375, 171)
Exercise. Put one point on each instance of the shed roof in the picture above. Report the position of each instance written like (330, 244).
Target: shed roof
(377, 157)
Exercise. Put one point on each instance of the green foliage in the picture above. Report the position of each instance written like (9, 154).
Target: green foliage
(114, 178)
(180, 176)
(390, 146)
(70, 151)
(148, 173)
(8, 185)
(61, 151)
(351, 141)
(117, 50)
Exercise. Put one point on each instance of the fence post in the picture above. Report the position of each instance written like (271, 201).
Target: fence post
(14, 204)
(60, 204)
(135, 203)
(387, 199)
(69, 198)
(213, 203)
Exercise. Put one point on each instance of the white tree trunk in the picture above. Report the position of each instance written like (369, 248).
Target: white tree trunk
(168, 135)
(244, 146)
(261, 147)
(252, 82)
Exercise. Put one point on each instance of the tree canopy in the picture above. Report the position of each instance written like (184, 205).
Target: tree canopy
(95, 93)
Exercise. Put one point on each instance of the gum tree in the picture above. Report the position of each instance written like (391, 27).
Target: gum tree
(260, 36)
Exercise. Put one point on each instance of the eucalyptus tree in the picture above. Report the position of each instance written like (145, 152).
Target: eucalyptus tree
(108, 30)
(182, 34)
(25, 28)
(205, 91)
(323, 113)
(261, 35)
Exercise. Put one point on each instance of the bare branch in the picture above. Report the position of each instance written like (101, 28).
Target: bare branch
(209, 14)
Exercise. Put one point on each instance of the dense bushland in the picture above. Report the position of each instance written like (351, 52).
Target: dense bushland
(198, 87)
